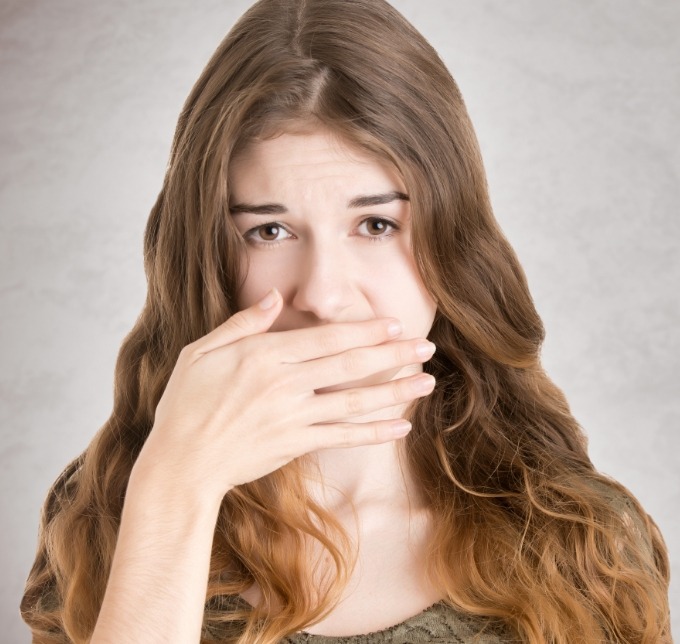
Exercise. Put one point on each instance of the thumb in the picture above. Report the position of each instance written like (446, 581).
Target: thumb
(257, 318)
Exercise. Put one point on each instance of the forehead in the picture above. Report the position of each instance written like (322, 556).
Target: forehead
(318, 155)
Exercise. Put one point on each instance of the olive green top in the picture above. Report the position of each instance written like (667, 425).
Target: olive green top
(437, 624)
(440, 623)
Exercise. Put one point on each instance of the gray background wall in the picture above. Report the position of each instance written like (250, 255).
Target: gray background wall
(576, 106)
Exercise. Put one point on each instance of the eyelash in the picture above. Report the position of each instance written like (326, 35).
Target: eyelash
(249, 235)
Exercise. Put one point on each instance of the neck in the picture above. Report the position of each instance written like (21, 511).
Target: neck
(367, 474)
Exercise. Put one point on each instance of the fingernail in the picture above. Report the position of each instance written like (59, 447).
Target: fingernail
(268, 300)
(400, 428)
(394, 329)
(425, 349)
(423, 383)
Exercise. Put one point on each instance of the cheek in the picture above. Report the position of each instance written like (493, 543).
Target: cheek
(418, 310)
(255, 286)
(266, 269)
(397, 290)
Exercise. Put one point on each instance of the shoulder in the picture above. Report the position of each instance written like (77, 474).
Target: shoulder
(633, 532)
(623, 505)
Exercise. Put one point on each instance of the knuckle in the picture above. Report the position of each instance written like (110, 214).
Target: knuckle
(320, 438)
(404, 353)
(258, 359)
(353, 362)
(400, 392)
(346, 436)
(261, 346)
(189, 353)
(291, 445)
(349, 435)
(329, 342)
(376, 434)
(353, 403)
(239, 321)
(249, 345)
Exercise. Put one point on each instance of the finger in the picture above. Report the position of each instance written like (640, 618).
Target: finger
(340, 405)
(300, 345)
(333, 435)
(254, 319)
(361, 362)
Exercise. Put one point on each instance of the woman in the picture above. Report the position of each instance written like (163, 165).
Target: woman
(324, 211)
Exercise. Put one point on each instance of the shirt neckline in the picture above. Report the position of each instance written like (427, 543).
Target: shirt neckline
(329, 638)
(381, 631)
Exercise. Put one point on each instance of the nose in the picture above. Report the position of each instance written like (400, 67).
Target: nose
(323, 284)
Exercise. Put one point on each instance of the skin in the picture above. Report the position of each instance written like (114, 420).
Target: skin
(319, 254)
(258, 391)
(331, 263)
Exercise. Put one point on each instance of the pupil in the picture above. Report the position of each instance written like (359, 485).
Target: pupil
(378, 225)
(267, 229)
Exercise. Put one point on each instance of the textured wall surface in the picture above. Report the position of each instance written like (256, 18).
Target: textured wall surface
(576, 106)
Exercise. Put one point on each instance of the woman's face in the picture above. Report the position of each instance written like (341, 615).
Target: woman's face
(297, 201)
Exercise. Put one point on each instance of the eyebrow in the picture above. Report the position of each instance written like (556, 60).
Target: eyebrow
(362, 201)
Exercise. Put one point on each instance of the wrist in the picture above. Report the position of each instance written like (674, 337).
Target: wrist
(159, 490)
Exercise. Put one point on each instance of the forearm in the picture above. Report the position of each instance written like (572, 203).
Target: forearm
(157, 585)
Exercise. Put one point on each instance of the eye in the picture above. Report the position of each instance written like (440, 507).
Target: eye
(266, 234)
(378, 228)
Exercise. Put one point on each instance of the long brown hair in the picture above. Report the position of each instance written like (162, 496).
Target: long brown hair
(526, 533)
